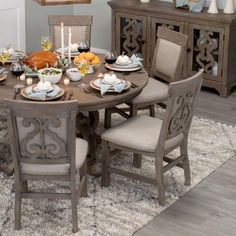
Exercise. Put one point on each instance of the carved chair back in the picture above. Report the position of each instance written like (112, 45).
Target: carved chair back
(42, 133)
(80, 29)
(180, 108)
(169, 54)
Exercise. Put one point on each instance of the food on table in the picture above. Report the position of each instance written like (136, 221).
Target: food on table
(52, 75)
(50, 71)
(74, 47)
(41, 59)
(123, 59)
(89, 56)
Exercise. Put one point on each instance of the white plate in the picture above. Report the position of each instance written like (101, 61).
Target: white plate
(128, 69)
(96, 84)
(75, 53)
(124, 64)
(35, 88)
(117, 81)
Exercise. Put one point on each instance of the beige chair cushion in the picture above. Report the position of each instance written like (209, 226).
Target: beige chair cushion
(60, 169)
(154, 91)
(167, 57)
(140, 133)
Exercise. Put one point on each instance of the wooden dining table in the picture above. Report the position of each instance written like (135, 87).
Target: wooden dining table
(89, 100)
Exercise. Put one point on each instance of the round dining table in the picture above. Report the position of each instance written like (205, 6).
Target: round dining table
(89, 99)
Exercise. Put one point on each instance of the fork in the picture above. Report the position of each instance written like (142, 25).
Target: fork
(17, 91)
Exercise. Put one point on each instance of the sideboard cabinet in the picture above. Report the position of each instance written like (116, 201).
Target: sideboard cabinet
(211, 45)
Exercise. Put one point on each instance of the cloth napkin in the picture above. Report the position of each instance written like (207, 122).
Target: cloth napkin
(117, 87)
(136, 60)
(42, 95)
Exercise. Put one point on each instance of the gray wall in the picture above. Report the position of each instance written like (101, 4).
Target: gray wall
(101, 29)
(36, 19)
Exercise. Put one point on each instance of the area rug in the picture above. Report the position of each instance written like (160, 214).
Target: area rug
(126, 205)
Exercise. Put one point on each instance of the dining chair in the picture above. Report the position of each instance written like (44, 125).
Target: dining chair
(80, 28)
(154, 137)
(44, 147)
(167, 65)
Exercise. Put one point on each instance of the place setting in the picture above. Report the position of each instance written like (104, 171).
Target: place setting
(122, 63)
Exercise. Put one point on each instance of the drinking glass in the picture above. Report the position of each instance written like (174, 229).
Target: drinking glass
(83, 47)
(83, 67)
(46, 43)
(17, 69)
(110, 57)
(4, 56)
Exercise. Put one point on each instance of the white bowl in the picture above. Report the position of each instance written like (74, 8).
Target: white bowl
(73, 74)
(52, 78)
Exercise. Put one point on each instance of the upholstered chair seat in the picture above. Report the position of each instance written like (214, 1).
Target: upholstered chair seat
(154, 90)
(59, 169)
(136, 134)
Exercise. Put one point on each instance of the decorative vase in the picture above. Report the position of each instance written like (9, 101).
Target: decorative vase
(213, 7)
(229, 7)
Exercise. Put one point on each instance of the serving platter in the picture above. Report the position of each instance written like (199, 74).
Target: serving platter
(96, 84)
(24, 94)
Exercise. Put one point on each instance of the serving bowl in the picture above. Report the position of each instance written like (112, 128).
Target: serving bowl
(53, 75)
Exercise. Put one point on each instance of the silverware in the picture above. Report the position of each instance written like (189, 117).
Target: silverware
(70, 94)
(17, 91)
(86, 90)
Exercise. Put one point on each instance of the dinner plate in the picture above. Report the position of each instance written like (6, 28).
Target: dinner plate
(96, 84)
(128, 69)
(117, 81)
(3, 77)
(60, 94)
(132, 65)
(124, 64)
(48, 90)
(73, 54)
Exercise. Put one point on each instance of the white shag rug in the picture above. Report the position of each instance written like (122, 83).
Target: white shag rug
(126, 205)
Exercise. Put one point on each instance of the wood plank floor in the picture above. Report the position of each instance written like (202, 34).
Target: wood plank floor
(210, 208)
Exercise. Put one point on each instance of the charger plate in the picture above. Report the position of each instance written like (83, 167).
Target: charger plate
(96, 84)
(24, 94)
(123, 68)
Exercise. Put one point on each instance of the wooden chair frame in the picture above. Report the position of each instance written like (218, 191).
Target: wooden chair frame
(185, 93)
(41, 112)
(76, 20)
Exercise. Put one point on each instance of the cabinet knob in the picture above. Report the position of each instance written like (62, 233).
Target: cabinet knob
(188, 49)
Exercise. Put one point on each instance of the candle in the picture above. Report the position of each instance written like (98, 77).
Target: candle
(62, 40)
(22, 77)
(29, 81)
(69, 46)
(66, 81)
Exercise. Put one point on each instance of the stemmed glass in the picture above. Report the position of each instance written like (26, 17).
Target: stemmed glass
(83, 47)
(17, 69)
(110, 57)
(46, 43)
(4, 56)
(83, 67)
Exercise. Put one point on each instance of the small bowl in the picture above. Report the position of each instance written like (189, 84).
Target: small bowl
(73, 74)
(53, 78)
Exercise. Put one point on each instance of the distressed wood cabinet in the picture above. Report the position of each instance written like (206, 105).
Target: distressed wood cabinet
(211, 43)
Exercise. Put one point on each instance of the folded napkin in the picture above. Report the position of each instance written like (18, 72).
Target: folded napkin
(117, 87)
(136, 60)
(42, 95)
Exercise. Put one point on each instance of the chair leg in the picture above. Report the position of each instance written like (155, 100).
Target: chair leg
(25, 186)
(84, 180)
(152, 110)
(106, 159)
(186, 166)
(137, 160)
(107, 121)
(74, 202)
(160, 182)
(18, 202)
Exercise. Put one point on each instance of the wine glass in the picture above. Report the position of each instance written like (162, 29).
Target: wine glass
(83, 46)
(83, 67)
(17, 69)
(110, 57)
(4, 56)
(46, 43)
